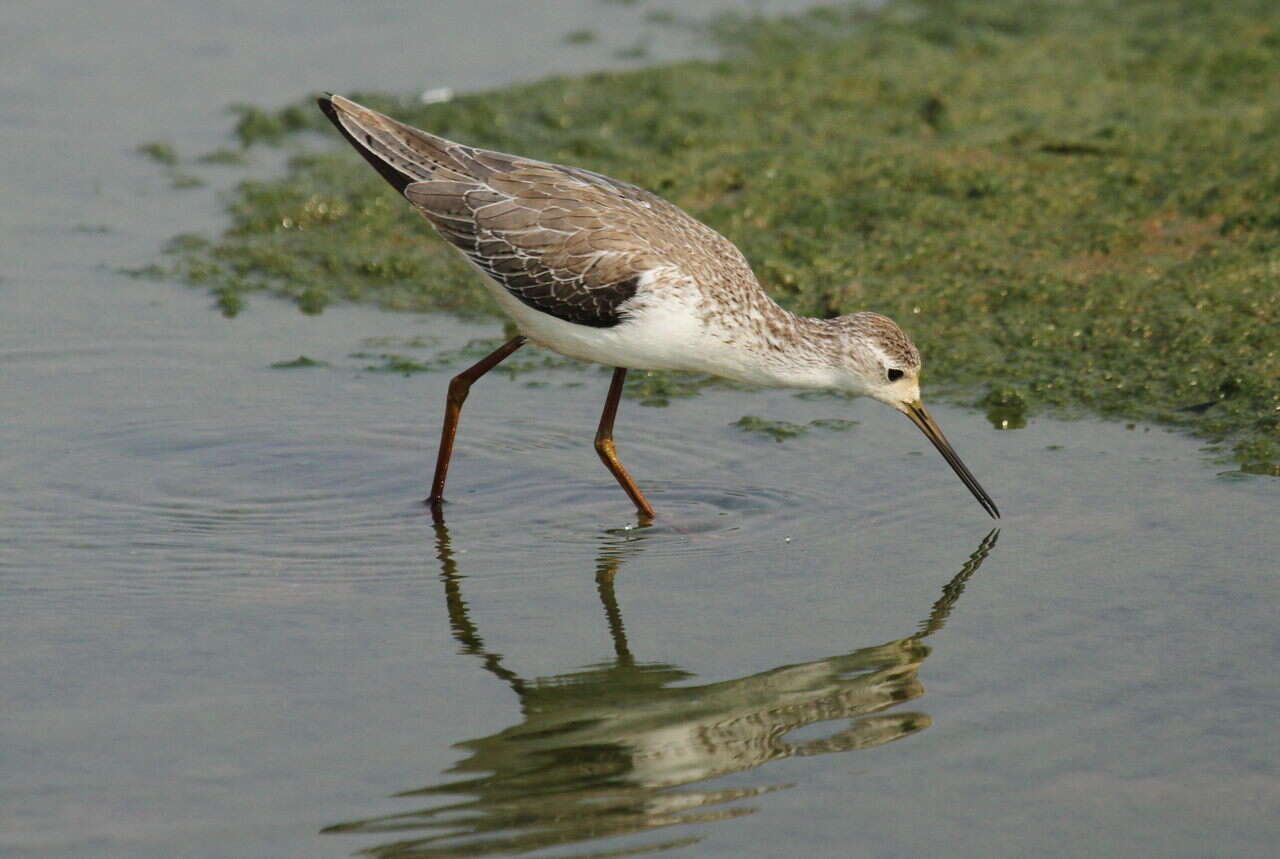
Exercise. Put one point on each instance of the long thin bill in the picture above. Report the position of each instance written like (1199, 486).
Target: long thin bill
(916, 412)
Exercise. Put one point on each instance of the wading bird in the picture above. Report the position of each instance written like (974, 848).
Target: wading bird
(603, 271)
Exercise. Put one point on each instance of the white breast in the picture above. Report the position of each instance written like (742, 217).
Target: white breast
(662, 329)
(666, 328)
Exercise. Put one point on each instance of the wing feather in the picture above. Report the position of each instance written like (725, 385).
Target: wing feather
(566, 241)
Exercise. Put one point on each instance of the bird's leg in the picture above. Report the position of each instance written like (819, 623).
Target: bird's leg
(459, 387)
(604, 445)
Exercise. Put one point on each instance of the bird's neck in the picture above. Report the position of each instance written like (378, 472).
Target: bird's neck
(788, 350)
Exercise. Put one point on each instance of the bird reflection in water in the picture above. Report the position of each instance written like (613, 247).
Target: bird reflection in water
(617, 749)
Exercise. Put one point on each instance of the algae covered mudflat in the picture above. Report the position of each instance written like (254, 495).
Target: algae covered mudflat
(1067, 205)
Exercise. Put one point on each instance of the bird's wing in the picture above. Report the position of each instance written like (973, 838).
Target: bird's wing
(565, 241)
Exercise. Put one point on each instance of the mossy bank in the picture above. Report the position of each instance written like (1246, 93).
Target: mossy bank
(1072, 205)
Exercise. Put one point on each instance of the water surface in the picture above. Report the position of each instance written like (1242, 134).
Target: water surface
(232, 630)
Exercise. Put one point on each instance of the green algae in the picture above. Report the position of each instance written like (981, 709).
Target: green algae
(836, 424)
(225, 156)
(183, 180)
(1075, 205)
(780, 431)
(166, 155)
(657, 388)
(159, 151)
(637, 50)
(299, 363)
(392, 362)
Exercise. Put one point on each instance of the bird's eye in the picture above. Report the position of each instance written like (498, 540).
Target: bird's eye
(894, 374)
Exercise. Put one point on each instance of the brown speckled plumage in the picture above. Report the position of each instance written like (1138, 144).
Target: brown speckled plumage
(563, 240)
(604, 271)
(885, 333)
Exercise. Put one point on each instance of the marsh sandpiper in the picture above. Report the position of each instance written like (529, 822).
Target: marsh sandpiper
(603, 271)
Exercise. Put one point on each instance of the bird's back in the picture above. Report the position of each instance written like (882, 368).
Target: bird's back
(565, 241)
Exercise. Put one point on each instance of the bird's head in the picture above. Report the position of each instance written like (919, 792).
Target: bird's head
(877, 359)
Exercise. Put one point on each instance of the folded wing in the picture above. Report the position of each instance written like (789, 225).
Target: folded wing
(565, 241)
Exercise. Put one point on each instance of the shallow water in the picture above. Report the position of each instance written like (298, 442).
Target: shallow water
(231, 629)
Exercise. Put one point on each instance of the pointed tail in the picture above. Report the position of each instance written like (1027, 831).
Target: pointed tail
(400, 153)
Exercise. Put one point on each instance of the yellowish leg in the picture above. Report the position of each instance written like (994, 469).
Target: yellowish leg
(604, 445)
(459, 387)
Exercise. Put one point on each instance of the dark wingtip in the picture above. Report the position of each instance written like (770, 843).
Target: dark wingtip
(325, 103)
(394, 177)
